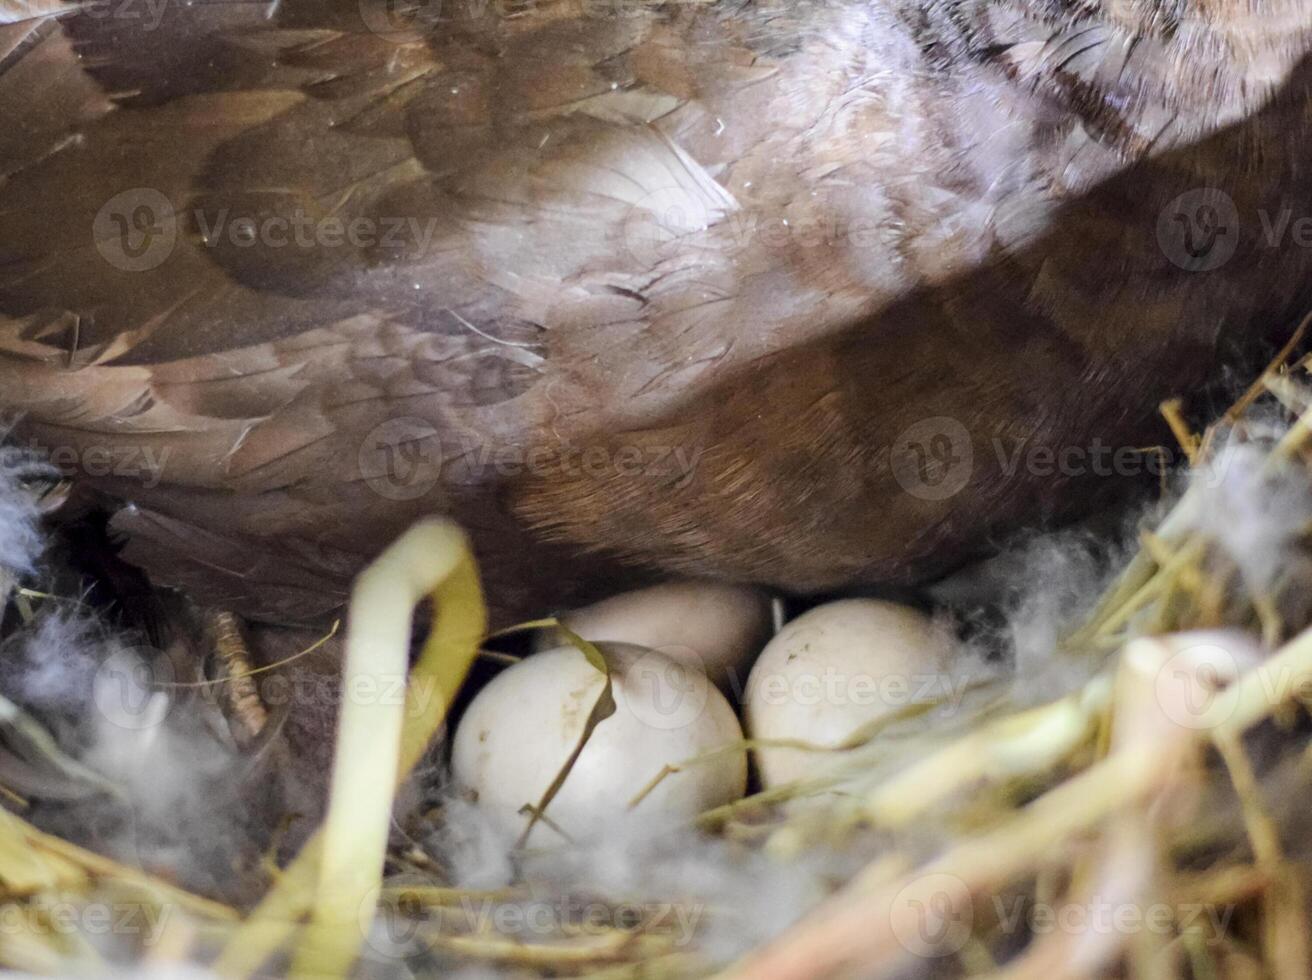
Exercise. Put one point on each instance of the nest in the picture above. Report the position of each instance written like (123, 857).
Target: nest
(1147, 820)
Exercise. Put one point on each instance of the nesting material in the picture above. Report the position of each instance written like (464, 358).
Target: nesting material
(20, 538)
(1141, 813)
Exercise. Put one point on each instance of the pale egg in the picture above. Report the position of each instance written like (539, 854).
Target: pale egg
(521, 729)
(715, 626)
(833, 672)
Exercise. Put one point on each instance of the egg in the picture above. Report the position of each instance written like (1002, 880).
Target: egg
(836, 669)
(520, 730)
(717, 627)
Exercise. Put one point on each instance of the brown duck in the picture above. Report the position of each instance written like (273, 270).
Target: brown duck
(795, 292)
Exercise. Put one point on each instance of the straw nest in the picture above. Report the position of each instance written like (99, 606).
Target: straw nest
(1148, 821)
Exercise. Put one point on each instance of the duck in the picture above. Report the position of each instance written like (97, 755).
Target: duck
(810, 294)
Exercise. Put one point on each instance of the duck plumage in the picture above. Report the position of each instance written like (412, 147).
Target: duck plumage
(667, 284)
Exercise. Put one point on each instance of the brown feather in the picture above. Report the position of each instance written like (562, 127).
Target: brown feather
(771, 237)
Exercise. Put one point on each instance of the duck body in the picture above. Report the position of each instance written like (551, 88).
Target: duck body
(780, 293)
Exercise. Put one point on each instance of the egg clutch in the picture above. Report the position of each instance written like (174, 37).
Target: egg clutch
(700, 680)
